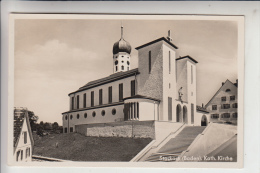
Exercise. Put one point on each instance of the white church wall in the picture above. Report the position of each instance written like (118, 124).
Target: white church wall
(191, 89)
(148, 111)
(151, 84)
(115, 92)
(181, 68)
(169, 81)
(108, 117)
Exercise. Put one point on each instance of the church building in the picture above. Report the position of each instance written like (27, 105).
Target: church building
(162, 88)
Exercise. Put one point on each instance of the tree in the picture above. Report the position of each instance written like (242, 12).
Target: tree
(32, 118)
(47, 126)
(55, 126)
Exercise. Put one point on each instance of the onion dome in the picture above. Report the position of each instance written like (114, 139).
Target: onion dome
(121, 45)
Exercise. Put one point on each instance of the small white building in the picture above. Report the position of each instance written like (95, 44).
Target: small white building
(162, 88)
(23, 139)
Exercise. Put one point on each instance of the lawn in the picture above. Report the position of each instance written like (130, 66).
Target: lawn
(76, 147)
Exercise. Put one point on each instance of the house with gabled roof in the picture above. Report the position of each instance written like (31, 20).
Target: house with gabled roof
(23, 139)
(223, 105)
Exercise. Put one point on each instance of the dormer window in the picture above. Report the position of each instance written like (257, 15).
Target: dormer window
(228, 90)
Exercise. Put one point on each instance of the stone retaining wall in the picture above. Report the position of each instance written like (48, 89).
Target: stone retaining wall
(136, 129)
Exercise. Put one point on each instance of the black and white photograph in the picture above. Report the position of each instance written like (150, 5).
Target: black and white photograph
(155, 89)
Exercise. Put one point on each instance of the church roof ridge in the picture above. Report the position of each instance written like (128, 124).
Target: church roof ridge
(187, 56)
(108, 79)
(157, 40)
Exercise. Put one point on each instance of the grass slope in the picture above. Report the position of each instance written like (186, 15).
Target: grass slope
(76, 147)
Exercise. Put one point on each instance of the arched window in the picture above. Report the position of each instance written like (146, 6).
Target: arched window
(66, 117)
(116, 62)
(128, 63)
(228, 90)
(103, 112)
(122, 67)
(113, 111)
(93, 113)
(85, 115)
(77, 116)
(71, 116)
(116, 68)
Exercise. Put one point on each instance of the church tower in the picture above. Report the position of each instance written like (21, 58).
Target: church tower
(121, 55)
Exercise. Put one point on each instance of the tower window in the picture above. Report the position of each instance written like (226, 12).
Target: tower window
(85, 115)
(100, 97)
(116, 68)
(71, 116)
(92, 98)
(128, 63)
(77, 116)
(232, 97)
(223, 98)
(234, 105)
(122, 67)
(150, 62)
(122, 56)
(169, 62)
(66, 117)
(93, 113)
(122, 61)
(132, 87)
(116, 62)
(228, 90)
(191, 74)
(120, 92)
(110, 94)
(214, 107)
(127, 68)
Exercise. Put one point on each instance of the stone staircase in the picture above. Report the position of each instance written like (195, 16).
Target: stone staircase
(175, 146)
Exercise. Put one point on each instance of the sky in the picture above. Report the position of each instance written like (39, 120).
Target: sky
(54, 57)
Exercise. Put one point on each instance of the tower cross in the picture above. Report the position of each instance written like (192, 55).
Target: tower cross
(169, 36)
